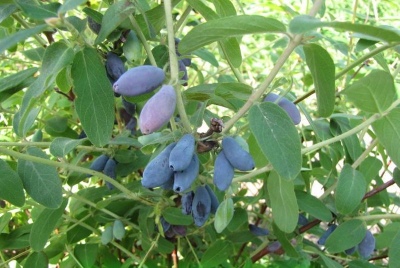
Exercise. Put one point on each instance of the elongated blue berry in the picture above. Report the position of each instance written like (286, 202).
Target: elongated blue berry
(115, 66)
(158, 110)
(326, 234)
(99, 163)
(184, 179)
(201, 206)
(186, 201)
(236, 155)
(367, 245)
(181, 155)
(139, 80)
(157, 172)
(223, 172)
(258, 231)
(110, 170)
(287, 105)
(214, 199)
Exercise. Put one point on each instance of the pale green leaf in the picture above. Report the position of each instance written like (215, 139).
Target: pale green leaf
(70, 4)
(11, 187)
(61, 146)
(313, 206)
(322, 70)
(305, 23)
(277, 137)
(37, 260)
(218, 29)
(174, 216)
(16, 79)
(284, 206)
(224, 215)
(95, 99)
(350, 189)
(217, 252)
(387, 130)
(17, 37)
(345, 236)
(86, 254)
(113, 17)
(40, 181)
(394, 251)
(373, 93)
(44, 226)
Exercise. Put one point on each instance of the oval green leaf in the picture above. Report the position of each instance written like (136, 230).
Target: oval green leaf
(373, 93)
(95, 99)
(394, 251)
(41, 181)
(62, 146)
(284, 206)
(313, 206)
(322, 70)
(224, 215)
(345, 236)
(350, 189)
(277, 137)
(37, 260)
(11, 187)
(217, 253)
(218, 29)
(387, 131)
(44, 226)
(174, 216)
(86, 254)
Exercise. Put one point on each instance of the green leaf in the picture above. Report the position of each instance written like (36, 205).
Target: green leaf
(350, 189)
(370, 167)
(207, 56)
(11, 187)
(14, 39)
(232, 51)
(56, 57)
(224, 215)
(313, 206)
(94, 97)
(44, 226)
(174, 216)
(387, 130)
(113, 17)
(70, 4)
(37, 260)
(305, 23)
(6, 11)
(394, 251)
(373, 93)
(322, 70)
(284, 206)
(86, 254)
(40, 181)
(16, 79)
(218, 29)
(345, 236)
(217, 253)
(277, 137)
(37, 11)
(284, 239)
(62, 146)
(4, 220)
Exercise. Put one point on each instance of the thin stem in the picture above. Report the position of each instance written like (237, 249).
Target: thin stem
(153, 245)
(295, 41)
(253, 174)
(26, 26)
(377, 217)
(183, 17)
(142, 38)
(346, 134)
(350, 67)
(47, 144)
(364, 154)
(193, 251)
(173, 62)
(75, 168)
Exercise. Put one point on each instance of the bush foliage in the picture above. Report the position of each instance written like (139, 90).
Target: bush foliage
(73, 156)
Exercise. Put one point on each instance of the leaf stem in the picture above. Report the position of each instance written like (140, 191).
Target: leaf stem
(173, 63)
(376, 217)
(74, 168)
(47, 144)
(153, 245)
(142, 38)
(253, 174)
(294, 42)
